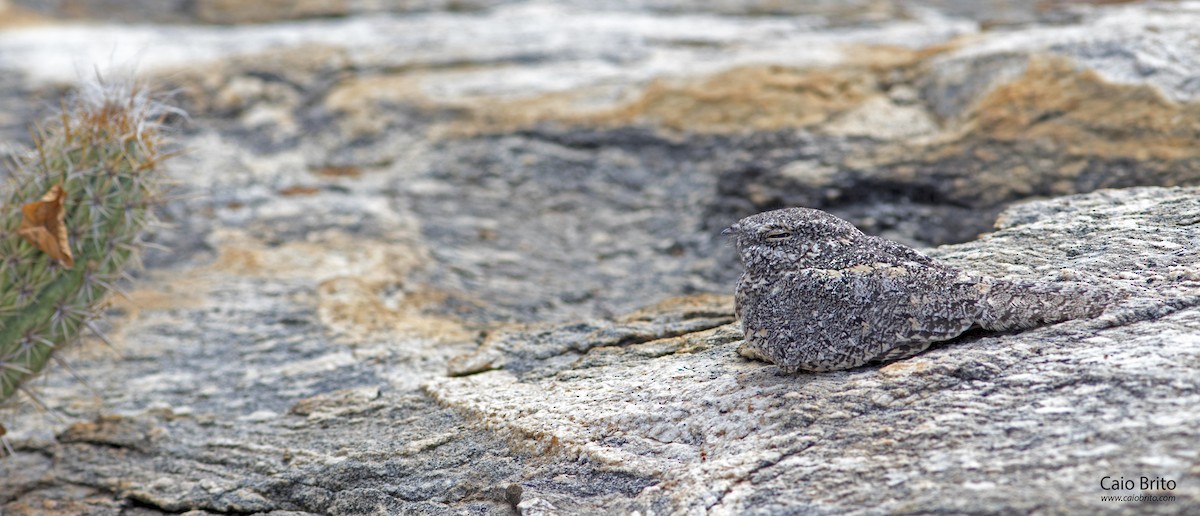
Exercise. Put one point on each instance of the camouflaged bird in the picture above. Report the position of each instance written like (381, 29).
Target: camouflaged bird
(820, 295)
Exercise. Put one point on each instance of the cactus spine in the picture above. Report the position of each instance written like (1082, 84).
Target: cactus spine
(102, 151)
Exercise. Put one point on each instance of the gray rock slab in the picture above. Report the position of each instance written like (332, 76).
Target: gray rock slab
(1047, 413)
(655, 412)
(235, 399)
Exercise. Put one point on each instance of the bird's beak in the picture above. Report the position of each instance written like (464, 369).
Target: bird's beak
(730, 231)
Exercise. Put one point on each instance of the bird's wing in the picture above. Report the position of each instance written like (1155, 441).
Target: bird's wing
(836, 319)
(898, 253)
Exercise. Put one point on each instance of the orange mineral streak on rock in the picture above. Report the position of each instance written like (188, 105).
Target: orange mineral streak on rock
(1079, 113)
(42, 226)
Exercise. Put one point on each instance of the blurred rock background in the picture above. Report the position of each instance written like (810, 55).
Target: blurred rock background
(373, 187)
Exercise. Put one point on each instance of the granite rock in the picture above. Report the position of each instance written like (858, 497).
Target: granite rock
(1047, 412)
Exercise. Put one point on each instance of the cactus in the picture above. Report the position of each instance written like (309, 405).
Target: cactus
(71, 216)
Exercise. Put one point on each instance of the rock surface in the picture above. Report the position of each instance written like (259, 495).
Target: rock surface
(441, 257)
(957, 429)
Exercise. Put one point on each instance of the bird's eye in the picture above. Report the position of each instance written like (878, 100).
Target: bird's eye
(778, 236)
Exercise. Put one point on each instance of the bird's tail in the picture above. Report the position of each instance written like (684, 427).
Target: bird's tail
(1019, 305)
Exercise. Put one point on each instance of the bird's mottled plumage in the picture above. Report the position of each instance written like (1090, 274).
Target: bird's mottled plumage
(819, 295)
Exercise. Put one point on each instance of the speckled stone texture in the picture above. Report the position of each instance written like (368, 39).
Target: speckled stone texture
(1046, 412)
(442, 257)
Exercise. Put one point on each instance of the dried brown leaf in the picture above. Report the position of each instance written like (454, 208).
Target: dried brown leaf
(42, 226)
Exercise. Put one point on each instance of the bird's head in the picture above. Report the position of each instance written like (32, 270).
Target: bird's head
(793, 238)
